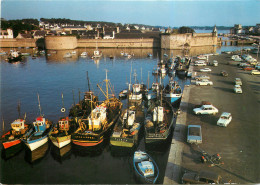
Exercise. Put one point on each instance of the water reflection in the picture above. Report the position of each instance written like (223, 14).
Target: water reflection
(36, 155)
(12, 151)
(61, 154)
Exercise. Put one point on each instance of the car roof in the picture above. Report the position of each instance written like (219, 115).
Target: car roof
(237, 78)
(225, 114)
(208, 175)
(207, 105)
(194, 126)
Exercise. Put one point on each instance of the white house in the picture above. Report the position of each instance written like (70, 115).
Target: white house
(6, 34)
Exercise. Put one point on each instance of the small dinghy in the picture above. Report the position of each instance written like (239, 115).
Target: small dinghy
(146, 170)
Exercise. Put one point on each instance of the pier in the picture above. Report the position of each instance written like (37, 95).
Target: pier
(234, 143)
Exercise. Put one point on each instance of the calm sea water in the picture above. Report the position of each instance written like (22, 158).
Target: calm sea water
(50, 76)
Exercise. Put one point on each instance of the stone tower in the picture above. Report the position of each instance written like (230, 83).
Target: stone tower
(215, 31)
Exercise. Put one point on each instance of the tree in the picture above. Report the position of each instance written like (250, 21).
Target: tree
(185, 29)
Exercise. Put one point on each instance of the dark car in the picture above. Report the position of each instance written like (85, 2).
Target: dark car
(223, 73)
(203, 177)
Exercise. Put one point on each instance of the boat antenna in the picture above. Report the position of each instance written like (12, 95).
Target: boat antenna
(131, 72)
(39, 104)
(88, 82)
(63, 108)
(73, 97)
(141, 76)
(148, 80)
(3, 125)
(19, 108)
(79, 97)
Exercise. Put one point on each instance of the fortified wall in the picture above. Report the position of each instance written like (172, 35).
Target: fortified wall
(60, 42)
(15, 43)
(181, 41)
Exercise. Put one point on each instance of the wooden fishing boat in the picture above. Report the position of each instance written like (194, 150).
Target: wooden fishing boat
(173, 92)
(13, 137)
(100, 122)
(158, 121)
(60, 135)
(14, 56)
(127, 128)
(146, 170)
(38, 135)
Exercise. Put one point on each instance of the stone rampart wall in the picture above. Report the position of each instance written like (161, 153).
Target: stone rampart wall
(60, 42)
(9, 43)
(180, 41)
(119, 43)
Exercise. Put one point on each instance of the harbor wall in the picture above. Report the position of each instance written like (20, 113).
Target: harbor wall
(119, 43)
(182, 41)
(15, 43)
(60, 42)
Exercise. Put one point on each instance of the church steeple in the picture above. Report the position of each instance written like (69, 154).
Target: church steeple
(215, 31)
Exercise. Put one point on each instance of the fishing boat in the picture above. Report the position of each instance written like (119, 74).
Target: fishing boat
(92, 131)
(146, 170)
(172, 91)
(126, 131)
(84, 54)
(13, 137)
(137, 90)
(60, 135)
(14, 56)
(158, 121)
(38, 134)
(67, 55)
(97, 53)
(123, 94)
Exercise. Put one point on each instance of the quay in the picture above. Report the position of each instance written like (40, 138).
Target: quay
(237, 144)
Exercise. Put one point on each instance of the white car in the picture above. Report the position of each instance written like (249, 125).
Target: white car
(206, 109)
(238, 89)
(202, 77)
(205, 70)
(224, 119)
(238, 81)
(200, 63)
(255, 72)
(204, 82)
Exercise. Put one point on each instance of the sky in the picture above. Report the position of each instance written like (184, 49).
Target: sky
(173, 13)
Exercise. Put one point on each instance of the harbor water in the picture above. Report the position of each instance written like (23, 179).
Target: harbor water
(50, 75)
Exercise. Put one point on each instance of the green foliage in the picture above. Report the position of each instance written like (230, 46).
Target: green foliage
(185, 29)
(20, 25)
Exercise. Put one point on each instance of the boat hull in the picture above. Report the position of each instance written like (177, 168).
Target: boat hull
(60, 142)
(34, 144)
(9, 144)
(124, 142)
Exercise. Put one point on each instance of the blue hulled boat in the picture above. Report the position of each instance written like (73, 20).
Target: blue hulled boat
(38, 135)
(173, 91)
(146, 170)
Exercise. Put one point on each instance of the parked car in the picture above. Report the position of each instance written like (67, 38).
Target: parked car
(255, 72)
(203, 177)
(248, 68)
(224, 73)
(203, 82)
(201, 77)
(224, 119)
(238, 89)
(215, 63)
(205, 70)
(194, 134)
(200, 63)
(206, 109)
(238, 81)
(202, 103)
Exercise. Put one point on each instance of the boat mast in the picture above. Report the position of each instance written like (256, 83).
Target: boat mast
(73, 97)
(148, 81)
(3, 125)
(39, 104)
(63, 108)
(88, 82)
(141, 76)
(19, 108)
